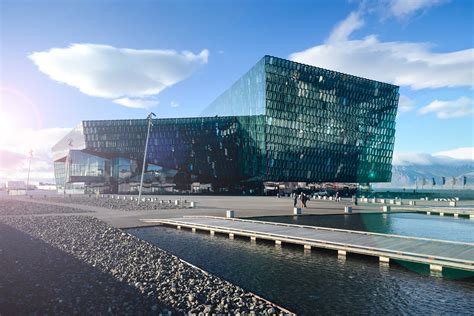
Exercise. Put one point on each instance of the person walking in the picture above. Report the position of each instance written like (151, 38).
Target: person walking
(295, 199)
(305, 199)
(302, 200)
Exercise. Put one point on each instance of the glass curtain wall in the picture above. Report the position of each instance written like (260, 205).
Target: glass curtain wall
(326, 126)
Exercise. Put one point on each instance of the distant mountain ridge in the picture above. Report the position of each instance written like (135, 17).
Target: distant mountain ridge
(422, 168)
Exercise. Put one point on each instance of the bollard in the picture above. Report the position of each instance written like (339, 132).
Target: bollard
(436, 268)
(297, 211)
(176, 202)
(392, 201)
(386, 208)
(230, 214)
(192, 204)
(412, 203)
(453, 204)
(348, 209)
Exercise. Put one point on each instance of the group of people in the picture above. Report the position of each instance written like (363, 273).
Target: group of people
(302, 197)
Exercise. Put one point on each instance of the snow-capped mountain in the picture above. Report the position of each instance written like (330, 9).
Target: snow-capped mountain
(410, 170)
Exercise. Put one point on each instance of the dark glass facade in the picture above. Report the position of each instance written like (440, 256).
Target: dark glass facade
(281, 121)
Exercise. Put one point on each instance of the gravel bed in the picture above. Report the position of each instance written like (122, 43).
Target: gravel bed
(80, 265)
(119, 203)
(16, 207)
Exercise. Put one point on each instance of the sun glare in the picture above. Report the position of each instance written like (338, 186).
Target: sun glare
(6, 128)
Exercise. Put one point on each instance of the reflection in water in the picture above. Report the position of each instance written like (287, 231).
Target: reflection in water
(310, 282)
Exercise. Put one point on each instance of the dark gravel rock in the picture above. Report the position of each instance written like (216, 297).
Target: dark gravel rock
(121, 202)
(17, 207)
(80, 265)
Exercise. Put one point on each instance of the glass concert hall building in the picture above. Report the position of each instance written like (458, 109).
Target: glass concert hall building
(282, 122)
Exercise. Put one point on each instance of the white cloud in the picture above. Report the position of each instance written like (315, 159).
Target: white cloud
(411, 64)
(458, 153)
(9, 160)
(405, 8)
(460, 107)
(14, 152)
(409, 158)
(405, 104)
(174, 104)
(137, 103)
(40, 140)
(118, 73)
(342, 30)
(447, 157)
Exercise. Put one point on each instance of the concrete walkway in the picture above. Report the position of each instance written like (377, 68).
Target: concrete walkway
(244, 206)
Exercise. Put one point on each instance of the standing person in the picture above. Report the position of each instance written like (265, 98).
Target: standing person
(354, 199)
(305, 199)
(337, 196)
(295, 199)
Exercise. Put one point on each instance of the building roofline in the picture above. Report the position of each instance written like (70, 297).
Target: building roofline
(335, 71)
(175, 118)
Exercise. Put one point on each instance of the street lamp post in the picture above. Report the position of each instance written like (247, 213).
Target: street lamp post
(150, 123)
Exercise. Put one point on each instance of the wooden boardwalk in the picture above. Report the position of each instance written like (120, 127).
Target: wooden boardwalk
(436, 253)
(454, 211)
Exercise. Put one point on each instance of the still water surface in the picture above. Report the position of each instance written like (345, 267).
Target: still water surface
(318, 281)
(406, 224)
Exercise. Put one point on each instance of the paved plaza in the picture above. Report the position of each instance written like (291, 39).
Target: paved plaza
(244, 207)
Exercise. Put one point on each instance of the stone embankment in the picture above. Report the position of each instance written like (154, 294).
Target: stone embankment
(80, 265)
(120, 203)
(17, 207)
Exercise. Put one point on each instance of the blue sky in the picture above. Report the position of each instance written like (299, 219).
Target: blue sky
(424, 46)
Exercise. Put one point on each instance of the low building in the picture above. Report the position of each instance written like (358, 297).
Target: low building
(16, 185)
